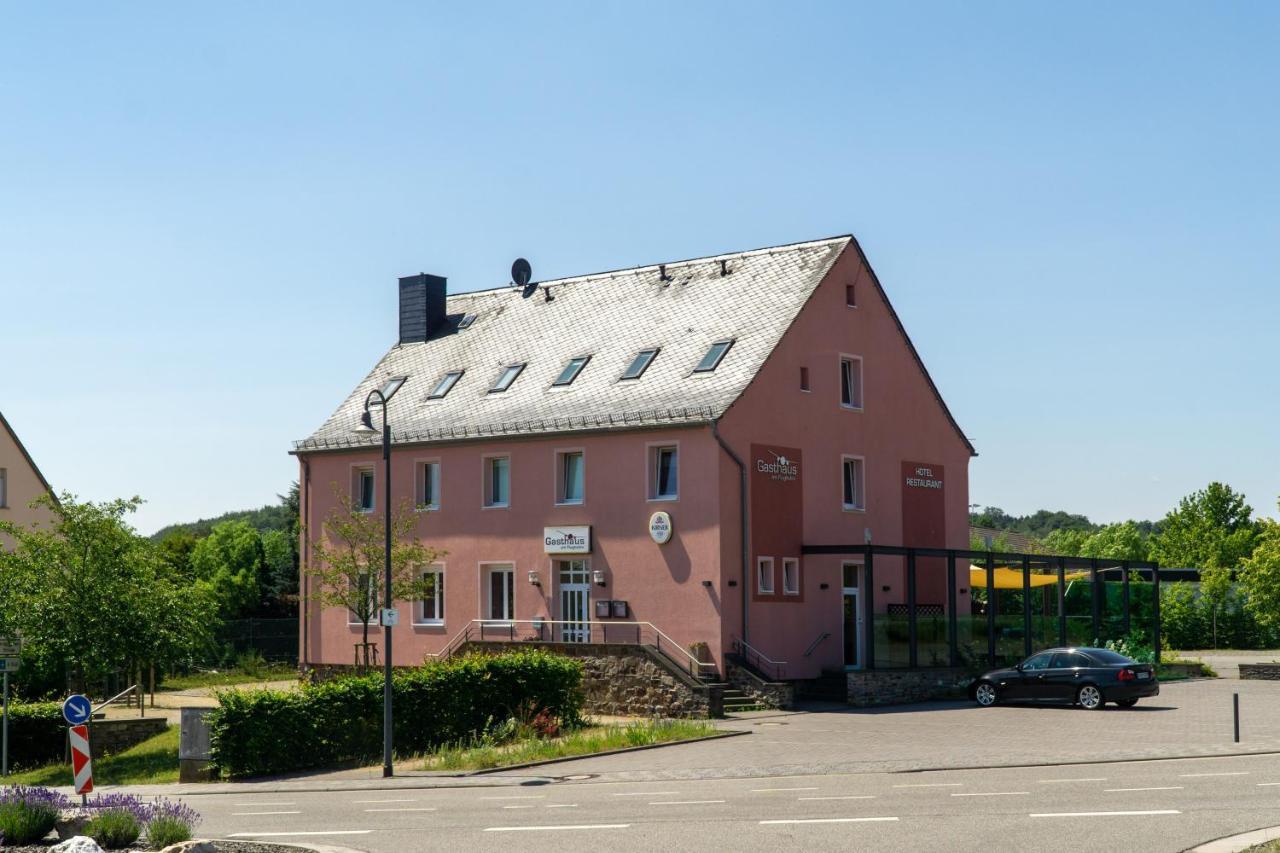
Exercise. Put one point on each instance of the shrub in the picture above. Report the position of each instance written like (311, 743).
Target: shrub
(113, 828)
(28, 814)
(37, 734)
(170, 823)
(263, 731)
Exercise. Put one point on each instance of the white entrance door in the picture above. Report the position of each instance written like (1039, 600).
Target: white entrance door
(575, 595)
(852, 616)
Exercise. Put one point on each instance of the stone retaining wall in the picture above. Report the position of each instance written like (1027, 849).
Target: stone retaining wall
(107, 737)
(900, 686)
(769, 694)
(1260, 671)
(632, 681)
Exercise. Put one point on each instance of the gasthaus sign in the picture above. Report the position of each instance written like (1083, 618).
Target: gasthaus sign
(567, 540)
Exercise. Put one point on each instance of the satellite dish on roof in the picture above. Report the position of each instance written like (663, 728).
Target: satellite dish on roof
(521, 272)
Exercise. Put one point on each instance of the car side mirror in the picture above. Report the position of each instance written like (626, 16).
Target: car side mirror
(1019, 667)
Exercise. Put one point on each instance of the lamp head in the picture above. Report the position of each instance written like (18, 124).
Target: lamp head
(366, 425)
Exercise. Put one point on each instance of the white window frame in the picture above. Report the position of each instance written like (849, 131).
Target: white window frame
(858, 486)
(436, 569)
(792, 563)
(652, 451)
(487, 569)
(761, 574)
(360, 471)
(420, 467)
(486, 482)
(374, 601)
(860, 403)
(561, 481)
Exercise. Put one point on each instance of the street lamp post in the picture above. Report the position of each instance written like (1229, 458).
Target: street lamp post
(366, 428)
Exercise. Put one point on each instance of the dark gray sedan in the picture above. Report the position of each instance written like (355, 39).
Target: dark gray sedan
(1086, 677)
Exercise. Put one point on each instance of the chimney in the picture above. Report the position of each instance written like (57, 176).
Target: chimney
(421, 306)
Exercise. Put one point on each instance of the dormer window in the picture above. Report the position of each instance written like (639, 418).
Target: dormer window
(571, 371)
(445, 384)
(711, 360)
(640, 363)
(506, 377)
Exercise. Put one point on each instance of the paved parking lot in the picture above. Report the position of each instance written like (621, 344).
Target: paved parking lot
(1187, 719)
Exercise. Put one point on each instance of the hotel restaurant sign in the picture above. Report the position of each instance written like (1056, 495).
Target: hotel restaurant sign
(567, 540)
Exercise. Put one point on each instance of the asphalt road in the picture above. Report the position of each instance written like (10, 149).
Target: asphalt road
(1134, 806)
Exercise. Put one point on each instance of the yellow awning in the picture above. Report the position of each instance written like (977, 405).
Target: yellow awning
(1012, 578)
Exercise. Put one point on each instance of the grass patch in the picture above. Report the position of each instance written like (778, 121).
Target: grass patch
(228, 678)
(154, 761)
(1267, 847)
(482, 755)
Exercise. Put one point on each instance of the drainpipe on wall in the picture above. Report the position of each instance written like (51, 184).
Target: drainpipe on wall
(742, 511)
(304, 561)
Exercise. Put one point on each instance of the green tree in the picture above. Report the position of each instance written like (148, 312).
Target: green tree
(93, 594)
(1065, 542)
(1212, 528)
(1260, 577)
(348, 563)
(280, 578)
(1123, 541)
(175, 550)
(228, 564)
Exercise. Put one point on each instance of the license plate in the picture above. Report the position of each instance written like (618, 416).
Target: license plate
(1143, 675)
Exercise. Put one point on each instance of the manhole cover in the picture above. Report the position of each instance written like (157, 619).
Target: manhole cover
(578, 777)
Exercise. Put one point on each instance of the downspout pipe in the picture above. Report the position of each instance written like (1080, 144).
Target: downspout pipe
(304, 562)
(742, 512)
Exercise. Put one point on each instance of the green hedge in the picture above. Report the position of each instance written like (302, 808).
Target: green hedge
(37, 734)
(260, 732)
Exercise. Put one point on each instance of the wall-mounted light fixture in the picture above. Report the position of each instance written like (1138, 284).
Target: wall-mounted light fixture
(598, 577)
(707, 584)
(884, 588)
(533, 579)
(823, 586)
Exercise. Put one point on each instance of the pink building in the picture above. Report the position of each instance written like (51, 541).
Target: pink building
(586, 452)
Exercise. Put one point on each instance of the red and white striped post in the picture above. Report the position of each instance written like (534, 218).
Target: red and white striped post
(81, 759)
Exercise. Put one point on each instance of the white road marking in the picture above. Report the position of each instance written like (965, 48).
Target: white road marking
(853, 797)
(772, 790)
(536, 797)
(934, 785)
(1267, 784)
(1123, 790)
(264, 804)
(380, 801)
(530, 806)
(255, 814)
(1106, 814)
(406, 809)
(646, 794)
(1197, 775)
(544, 829)
(313, 832)
(562, 806)
(995, 794)
(828, 820)
(686, 802)
(1062, 781)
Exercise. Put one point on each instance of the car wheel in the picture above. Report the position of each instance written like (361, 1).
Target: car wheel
(1089, 697)
(985, 694)
(1127, 703)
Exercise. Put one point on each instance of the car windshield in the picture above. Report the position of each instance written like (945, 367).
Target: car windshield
(1106, 656)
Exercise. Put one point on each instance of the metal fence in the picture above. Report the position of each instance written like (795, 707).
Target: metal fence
(275, 639)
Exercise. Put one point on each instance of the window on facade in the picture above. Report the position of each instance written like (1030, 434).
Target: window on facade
(502, 594)
(640, 363)
(433, 596)
(497, 481)
(429, 485)
(364, 587)
(393, 385)
(790, 576)
(571, 476)
(571, 370)
(364, 490)
(711, 360)
(804, 379)
(4, 487)
(506, 377)
(664, 464)
(445, 384)
(850, 296)
(854, 487)
(764, 575)
(851, 382)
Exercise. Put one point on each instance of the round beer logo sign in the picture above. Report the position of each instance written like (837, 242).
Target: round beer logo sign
(660, 527)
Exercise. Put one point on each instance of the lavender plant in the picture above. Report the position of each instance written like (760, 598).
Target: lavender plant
(117, 819)
(28, 814)
(170, 823)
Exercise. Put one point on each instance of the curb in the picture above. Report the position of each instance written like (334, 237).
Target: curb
(1087, 762)
(313, 848)
(622, 750)
(1238, 843)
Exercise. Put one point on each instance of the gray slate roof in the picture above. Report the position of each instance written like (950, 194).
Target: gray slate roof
(609, 316)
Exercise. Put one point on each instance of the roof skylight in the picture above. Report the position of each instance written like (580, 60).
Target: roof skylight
(508, 375)
(392, 386)
(466, 321)
(711, 360)
(445, 384)
(571, 370)
(640, 363)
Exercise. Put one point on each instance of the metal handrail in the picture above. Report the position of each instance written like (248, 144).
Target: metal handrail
(132, 688)
(749, 650)
(815, 643)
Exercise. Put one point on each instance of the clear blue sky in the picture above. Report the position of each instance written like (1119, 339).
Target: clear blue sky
(204, 208)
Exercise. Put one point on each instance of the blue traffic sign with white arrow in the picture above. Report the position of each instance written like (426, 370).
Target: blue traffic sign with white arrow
(76, 709)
